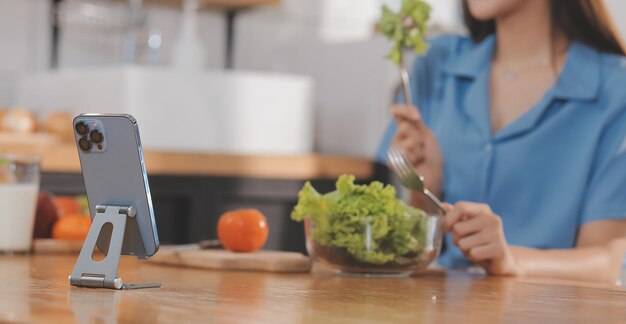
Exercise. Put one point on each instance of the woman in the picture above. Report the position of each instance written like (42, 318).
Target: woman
(523, 127)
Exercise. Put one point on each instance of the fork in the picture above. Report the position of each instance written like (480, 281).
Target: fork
(409, 178)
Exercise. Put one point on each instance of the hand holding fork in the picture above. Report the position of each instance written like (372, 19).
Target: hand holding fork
(415, 150)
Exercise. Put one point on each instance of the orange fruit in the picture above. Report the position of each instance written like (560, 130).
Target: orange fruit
(243, 230)
(67, 205)
(71, 227)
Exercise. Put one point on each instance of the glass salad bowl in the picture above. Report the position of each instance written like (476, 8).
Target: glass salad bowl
(366, 230)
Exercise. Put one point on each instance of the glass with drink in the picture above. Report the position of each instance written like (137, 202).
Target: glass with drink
(19, 186)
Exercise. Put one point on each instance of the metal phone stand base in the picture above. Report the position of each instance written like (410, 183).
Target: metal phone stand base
(103, 274)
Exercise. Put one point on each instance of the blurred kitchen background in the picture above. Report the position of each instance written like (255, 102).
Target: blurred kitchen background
(239, 77)
(290, 76)
(310, 69)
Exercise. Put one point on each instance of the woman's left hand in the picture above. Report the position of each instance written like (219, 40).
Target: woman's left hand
(478, 232)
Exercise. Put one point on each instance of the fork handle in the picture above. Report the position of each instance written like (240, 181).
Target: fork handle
(406, 86)
(435, 200)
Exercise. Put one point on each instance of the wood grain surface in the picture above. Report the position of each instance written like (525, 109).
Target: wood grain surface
(35, 289)
(64, 158)
(270, 261)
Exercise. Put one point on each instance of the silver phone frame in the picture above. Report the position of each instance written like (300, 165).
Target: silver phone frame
(144, 172)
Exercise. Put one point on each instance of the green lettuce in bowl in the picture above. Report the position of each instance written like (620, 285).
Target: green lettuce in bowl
(365, 228)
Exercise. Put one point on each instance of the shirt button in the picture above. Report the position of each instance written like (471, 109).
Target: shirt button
(488, 147)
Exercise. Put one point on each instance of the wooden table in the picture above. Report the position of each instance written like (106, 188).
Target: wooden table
(35, 289)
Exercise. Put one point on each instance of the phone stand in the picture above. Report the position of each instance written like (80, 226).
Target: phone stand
(103, 274)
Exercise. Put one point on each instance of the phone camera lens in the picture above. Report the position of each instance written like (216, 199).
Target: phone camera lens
(96, 136)
(82, 128)
(84, 144)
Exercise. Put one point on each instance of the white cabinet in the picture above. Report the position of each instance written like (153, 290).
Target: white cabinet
(213, 111)
(354, 83)
(24, 40)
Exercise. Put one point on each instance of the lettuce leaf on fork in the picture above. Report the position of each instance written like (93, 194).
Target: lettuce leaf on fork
(406, 28)
(341, 220)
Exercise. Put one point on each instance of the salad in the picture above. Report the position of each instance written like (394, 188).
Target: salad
(406, 28)
(367, 221)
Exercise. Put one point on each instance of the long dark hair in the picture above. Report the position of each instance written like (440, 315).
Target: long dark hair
(586, 21)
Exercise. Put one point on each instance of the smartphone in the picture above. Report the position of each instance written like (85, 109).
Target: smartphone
(114, 173)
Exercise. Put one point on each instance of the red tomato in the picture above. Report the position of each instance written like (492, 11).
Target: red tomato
(243, 230)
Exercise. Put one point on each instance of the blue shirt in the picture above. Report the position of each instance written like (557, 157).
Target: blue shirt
(557, 167)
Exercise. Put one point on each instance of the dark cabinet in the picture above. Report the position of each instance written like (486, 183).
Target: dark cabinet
(187, 207)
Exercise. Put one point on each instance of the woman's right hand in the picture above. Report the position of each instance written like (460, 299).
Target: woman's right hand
(420, 146)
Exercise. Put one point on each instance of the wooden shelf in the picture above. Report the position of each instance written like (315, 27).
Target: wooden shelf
(220, 4)
(63, 158)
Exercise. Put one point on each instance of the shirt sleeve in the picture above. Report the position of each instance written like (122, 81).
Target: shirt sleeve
(425, 84)
(606, 192)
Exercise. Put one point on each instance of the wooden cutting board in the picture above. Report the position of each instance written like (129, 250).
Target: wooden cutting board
(51, 246)
(269, 261)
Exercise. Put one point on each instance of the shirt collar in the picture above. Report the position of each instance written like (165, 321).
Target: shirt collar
(579, 78)
(471, 63)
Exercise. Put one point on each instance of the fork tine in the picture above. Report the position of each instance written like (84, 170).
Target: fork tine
(402, 171)
(404, 162)
(408, 175)
(410, 169)
(395, 150)
(392, 154)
